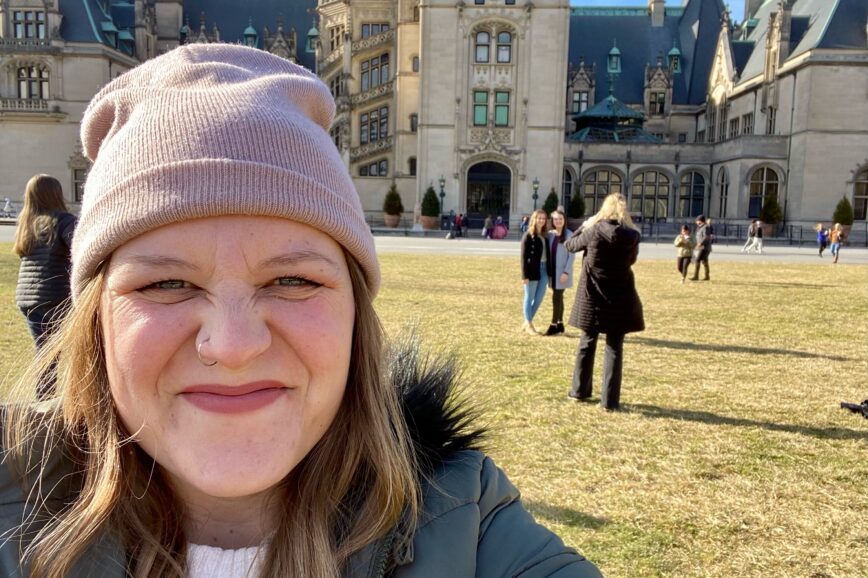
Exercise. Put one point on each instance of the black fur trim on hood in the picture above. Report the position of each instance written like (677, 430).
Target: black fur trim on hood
(439, 422)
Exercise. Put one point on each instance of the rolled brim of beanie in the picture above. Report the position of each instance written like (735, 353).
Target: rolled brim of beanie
(200, 188)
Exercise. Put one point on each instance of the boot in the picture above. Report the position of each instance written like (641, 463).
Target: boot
(705, 268)
(552, 330)
(560, 327)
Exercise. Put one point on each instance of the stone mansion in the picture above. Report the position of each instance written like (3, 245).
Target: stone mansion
(497, 102)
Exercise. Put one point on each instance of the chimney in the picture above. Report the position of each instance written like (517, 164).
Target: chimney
(657, 10)
(786, 14)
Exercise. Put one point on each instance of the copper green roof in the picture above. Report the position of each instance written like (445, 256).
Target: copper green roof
(610, 108)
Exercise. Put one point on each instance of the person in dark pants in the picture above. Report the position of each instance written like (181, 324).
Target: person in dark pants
(606, 299)
(42, 241)
(703, 248)
(561, 270)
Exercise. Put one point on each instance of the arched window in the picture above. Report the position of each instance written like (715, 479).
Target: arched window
(504, 47)
(33, 83)
(723, 191)
(650, 195)
(567, 188)
(691, 194)
(763, 182)
(411, 166)
(415, 64)
(860, 196)
(483, 46)
(596, 186)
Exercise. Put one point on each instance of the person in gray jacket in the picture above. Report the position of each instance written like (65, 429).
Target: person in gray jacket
(560, 269)
(224, 407)
(42, 240)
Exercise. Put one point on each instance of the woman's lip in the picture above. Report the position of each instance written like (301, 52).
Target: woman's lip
(233, 390)
(234, 398)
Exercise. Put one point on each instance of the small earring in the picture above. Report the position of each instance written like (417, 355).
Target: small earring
(199, 354)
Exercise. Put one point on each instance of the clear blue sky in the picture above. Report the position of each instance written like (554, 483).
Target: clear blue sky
(736, 7)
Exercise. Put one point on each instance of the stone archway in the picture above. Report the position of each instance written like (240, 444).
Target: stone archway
(489, 184)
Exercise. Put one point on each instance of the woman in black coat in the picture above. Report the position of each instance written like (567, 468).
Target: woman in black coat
(534, 267)
(606, 299)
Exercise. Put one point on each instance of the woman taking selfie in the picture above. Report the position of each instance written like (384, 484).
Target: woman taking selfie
(222, 404)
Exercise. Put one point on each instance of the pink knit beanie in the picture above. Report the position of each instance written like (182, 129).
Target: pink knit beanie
(208, 130)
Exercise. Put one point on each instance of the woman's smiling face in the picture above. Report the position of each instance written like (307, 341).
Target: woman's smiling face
(271, 302)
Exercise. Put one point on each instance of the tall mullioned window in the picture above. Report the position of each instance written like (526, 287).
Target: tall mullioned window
(860, 196)
(747, 123)
(33, 83)
(691, 194)
(733, 127)
(763, 182)
(480, 108)
(375, 71)
(28, 24)
(483, 47)
(374, 125)
(501, 108)
(336, 37)
(658, 102)
(650, 195)
(374, 28)
(771, 116)
(78, 178)
(597, 185)
(504, 47)
(722, 191)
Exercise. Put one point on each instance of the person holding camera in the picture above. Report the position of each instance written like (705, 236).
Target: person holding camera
(684, 244)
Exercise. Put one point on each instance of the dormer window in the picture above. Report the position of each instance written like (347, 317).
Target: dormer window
(28, 24)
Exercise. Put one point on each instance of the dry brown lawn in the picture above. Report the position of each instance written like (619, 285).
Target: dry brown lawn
(731, 457)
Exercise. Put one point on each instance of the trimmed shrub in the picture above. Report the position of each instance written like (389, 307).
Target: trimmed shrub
(843, 212)
(392, 204)
(576, 210)
(771, 212)
(430, 203)
(551, 202)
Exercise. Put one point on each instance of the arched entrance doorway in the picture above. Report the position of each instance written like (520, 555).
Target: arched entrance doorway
(488, 190)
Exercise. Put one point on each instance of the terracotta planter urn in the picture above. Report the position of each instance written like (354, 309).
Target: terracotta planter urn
(430, 223)
(769, 230)
(391, 220)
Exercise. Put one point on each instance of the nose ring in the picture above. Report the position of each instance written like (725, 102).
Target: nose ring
(199, 354)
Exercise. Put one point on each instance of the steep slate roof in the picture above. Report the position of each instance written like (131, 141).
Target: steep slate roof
(232, 17)
(815, 24)
(87, 21)
(693, 27)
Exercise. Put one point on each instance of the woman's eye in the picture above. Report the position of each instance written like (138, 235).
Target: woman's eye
(294, 282)
(168, 284)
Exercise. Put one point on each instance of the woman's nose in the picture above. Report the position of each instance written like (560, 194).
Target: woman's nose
(234, 335)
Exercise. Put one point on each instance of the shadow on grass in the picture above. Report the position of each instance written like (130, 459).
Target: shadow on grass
(566, 516)
(836, 433)
(732, 348)
(775, 284)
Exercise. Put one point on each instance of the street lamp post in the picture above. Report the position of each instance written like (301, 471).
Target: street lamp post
(535, 195)
(442, 192)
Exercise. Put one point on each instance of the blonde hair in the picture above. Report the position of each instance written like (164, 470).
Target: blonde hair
(358, 483)
(533, 229)
(43, 199)
(614, 208)
(818, 227)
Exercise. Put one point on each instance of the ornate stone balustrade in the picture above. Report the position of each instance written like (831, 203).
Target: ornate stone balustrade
(23, 105)
(371, 149)
(24, 44)
(374, 41)
(376, 92)
(326, 64)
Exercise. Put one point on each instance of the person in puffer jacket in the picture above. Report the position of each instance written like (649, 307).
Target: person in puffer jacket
(42, 240)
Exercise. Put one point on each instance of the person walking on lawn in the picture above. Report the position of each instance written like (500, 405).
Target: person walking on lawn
(684, 244)
(702, 249)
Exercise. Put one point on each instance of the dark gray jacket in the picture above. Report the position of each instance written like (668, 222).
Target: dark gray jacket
(606, 299)
(472, 522)
(703, 239)
(43, 275)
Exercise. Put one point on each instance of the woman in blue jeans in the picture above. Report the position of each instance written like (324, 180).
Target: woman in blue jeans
(534, 267)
